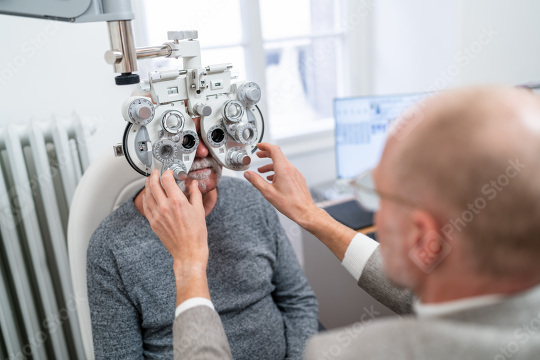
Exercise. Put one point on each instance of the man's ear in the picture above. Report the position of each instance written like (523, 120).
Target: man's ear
(427, 247)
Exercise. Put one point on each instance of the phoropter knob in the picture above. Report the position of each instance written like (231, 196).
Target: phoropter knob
(239, 158)
(138, 110)
(249, 93)
(253, 95)
(179, 173)
(143, 112)
(179, 170)
(203, 110)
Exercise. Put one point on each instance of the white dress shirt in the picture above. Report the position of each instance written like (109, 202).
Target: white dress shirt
(358, 253)
(191, 303)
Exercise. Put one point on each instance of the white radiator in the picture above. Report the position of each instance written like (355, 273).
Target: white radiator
(40, 166)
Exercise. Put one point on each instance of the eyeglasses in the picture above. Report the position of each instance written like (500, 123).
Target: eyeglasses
(369, 197)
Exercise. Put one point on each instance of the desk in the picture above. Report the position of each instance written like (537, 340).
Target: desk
(348, 212)
(367, 230)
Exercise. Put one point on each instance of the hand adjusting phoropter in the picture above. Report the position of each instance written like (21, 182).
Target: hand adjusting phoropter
(161, 132)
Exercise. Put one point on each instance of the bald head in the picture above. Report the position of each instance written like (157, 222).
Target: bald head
(470, 157)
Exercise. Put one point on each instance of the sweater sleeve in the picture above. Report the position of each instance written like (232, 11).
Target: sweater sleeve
(293, 294)
(115, 321)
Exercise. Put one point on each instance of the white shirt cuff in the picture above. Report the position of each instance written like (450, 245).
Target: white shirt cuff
(191, 303)
(358, 253)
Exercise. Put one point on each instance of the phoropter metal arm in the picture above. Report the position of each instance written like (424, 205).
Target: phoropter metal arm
(118, 14)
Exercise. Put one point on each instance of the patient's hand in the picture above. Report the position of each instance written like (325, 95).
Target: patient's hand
(180, 225)
(288, 190)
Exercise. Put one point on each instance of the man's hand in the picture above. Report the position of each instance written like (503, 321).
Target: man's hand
(288, 191)
(181, 226)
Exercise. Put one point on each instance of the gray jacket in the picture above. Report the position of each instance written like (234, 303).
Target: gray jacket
(506, 330)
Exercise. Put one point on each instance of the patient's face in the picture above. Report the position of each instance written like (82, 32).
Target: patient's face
(205, 169)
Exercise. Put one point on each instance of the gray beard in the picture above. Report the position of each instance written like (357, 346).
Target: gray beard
(206, 163)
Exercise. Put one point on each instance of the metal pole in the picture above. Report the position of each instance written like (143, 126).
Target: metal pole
(153, 52)
(114, 57)
(121, 37)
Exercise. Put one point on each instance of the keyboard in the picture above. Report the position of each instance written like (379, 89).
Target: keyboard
(351, 214)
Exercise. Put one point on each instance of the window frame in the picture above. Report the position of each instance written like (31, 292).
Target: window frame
(253, 45)
(255, 60)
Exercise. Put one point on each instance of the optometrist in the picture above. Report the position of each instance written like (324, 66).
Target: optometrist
(458, 202)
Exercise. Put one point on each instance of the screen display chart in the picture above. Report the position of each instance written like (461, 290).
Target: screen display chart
(361, 129)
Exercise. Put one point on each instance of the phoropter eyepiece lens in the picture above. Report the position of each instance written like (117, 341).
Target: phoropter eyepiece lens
(189, 141)
(217, 135)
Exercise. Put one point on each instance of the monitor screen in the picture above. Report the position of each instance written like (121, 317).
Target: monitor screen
(362, 125)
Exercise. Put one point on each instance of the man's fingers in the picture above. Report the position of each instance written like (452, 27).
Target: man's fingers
(155, 187)
(148, 193)
(170, 186)
(263, 154)
(264, 146)
(257, 181)
(195, 196)
(274, 151)
(266, 168)
(150, 201)
(147, 186)
(147, 212)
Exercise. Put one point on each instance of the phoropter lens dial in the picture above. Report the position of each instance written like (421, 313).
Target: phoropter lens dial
(165, 150)
(173, 121)
(246, 134)
(233, 111)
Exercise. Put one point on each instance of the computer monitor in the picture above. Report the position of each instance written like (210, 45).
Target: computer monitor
(361, 128)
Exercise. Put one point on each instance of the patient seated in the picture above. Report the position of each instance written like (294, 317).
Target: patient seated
(256, 284)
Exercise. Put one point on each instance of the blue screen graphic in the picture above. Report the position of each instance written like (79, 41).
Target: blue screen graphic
(361, 128)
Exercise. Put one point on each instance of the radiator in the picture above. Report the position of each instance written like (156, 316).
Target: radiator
(40, 165)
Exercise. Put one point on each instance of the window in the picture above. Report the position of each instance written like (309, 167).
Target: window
(218, 23)
(293, 49)
(302, 41)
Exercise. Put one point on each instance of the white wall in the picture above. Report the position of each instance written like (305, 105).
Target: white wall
(53, 68)
(432, 45)
(413, 43)
(512, 56)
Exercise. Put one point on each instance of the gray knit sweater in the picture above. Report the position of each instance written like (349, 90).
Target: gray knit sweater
(256, 284)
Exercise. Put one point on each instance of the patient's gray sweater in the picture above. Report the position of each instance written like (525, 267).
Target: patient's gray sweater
(256, 284)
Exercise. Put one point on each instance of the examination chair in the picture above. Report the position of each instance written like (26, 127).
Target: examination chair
(106, 184)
